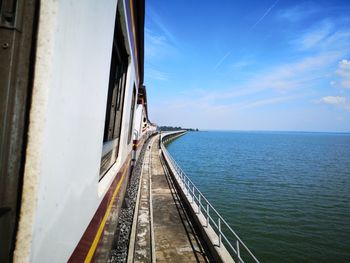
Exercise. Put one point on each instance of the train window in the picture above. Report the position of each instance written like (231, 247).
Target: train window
(132, 113)
(115, 99)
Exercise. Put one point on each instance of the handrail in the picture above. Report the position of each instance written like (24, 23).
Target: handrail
(213, 218)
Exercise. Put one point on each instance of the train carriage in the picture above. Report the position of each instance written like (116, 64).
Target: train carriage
(73, 104)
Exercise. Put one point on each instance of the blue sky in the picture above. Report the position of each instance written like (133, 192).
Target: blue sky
(249, 65)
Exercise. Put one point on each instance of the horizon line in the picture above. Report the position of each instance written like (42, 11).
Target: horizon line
(301, 131)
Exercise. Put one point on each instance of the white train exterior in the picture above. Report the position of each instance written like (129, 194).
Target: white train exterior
(85, 105)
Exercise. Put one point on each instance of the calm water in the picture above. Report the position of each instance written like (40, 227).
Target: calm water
(286, 194)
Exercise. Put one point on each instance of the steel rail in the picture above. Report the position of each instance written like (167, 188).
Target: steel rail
(213, 218)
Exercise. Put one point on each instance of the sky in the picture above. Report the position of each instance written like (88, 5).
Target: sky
(248, 65)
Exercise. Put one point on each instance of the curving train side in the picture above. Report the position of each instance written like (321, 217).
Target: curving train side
(73, 125)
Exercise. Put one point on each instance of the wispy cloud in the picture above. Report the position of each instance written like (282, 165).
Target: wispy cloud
(160, 42)
(156, 74)
(158, 22)
(222, 59)
(288, 76)
(298, 12)
(160, 45)
(339, 40)
(322, 36)
(241, 64)
(297, 74)
(227, 54)
(273, 86)
(157, 46)
(263, 16)
(315, 35)
(269, 101)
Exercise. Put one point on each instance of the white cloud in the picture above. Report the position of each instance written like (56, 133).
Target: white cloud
(343, 73)
(340, 102)
(334, 100)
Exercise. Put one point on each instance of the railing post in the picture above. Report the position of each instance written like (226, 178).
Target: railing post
(238, 259)
(188, 187)
(207, 215)
(192, 194)
(199, 204)
(219, 225)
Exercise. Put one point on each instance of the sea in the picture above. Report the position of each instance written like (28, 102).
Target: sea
(286, 194)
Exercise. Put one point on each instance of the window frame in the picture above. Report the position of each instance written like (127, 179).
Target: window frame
(132, 113)
(115, 98)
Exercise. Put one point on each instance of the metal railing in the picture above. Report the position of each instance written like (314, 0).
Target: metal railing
(234, 245)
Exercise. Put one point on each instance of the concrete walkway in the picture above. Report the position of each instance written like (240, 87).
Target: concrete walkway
(163, 231)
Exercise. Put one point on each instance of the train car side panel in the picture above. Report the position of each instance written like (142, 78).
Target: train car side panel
(66, 127)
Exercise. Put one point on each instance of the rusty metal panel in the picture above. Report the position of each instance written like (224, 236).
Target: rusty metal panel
(17, 42)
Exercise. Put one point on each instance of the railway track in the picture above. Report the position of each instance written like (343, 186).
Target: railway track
(162, 230)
